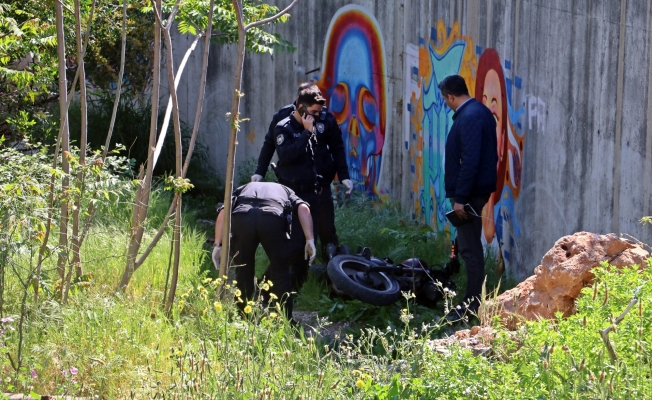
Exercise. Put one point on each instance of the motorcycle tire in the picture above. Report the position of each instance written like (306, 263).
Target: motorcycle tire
(378, 288)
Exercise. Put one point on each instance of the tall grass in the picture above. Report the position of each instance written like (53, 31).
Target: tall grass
(111, 345)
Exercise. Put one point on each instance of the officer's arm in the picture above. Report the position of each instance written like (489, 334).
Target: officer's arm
(336, 147)
(306, 221)
(267, 151)
(219, 223)
(288, 147)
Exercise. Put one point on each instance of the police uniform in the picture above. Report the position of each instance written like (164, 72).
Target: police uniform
(296, 167)
(329, 158)
(260, 211)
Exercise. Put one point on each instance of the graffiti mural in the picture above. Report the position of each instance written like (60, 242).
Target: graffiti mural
(428, 119)
(353, 80)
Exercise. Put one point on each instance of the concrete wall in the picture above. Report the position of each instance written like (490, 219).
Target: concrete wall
(575, 78)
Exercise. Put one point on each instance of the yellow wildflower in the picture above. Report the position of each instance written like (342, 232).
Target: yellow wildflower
(237, 293)
(359, 383)
(247, 309)
(218, 306)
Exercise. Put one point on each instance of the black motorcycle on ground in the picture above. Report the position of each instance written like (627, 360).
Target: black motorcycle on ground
(379, 281)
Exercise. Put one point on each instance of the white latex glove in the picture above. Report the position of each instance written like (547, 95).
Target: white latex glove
(310, 252)
(348, 184)
(217, 251)
(256, 178)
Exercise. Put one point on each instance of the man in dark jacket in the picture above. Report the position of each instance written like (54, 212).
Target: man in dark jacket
(272, 215)
(469, 178)
(329, 158)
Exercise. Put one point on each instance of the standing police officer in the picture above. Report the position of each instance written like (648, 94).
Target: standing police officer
(266, 213)
(328, 156)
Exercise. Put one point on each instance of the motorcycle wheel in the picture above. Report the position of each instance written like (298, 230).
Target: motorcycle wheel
(376, 288)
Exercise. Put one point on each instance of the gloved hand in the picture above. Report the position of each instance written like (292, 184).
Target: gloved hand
(256, 178)
(217, 251)
(310, 252)
(348, 184)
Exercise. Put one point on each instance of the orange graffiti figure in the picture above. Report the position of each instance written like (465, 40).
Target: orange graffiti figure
(490, 89)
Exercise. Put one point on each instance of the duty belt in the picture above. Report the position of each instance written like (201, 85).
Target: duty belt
(260, 203)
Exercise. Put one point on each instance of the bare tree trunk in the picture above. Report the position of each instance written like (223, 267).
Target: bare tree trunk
(143, 193)
(76, 258)
(168, 110)
(116, 102)
(65, 141)
(176, 241)
(233, 138)
(57, 148)
(202, 86)
(118, 91)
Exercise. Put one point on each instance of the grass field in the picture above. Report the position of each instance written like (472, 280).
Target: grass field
(110, 345)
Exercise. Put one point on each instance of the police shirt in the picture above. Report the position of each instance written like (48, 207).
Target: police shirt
(329, 154)
(253, 194)
(295, 152)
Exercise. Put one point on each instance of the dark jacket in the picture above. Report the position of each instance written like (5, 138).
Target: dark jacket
(329, 149)
(471, 153)
(294, 145)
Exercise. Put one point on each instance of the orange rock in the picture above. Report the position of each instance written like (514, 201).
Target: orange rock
(564, 271)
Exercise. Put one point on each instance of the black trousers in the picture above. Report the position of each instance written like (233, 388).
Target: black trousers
(327, 231)
(286, 256)
(469, 242)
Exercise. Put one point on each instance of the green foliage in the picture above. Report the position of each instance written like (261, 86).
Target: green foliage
(193, 18)
(102, 59)
(178, 184)
(567, 357)
(122, 346)
(28, 65)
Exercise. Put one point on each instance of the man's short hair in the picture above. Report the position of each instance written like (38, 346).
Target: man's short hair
(453, 84)
(310, 97)
(308, 85)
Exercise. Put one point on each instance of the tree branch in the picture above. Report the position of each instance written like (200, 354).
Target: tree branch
(65, 6)
(168, 110)
(272, 18)
(605, 332)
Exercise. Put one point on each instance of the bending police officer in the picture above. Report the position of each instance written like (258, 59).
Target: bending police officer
(273, 215)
